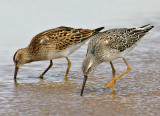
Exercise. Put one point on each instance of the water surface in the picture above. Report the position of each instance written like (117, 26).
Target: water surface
(137, 93)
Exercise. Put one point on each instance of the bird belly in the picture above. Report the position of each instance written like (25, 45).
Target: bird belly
(65, 52)
(73, 48)
(125, 52)
(113, 55)
(55, 55)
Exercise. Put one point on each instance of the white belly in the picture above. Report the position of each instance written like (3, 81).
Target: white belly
(115, 55)
(64, 53)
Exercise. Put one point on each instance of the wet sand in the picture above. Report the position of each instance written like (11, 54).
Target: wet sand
(137, 92)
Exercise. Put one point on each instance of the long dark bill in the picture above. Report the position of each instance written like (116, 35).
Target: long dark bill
(16, 71)
(84, 82)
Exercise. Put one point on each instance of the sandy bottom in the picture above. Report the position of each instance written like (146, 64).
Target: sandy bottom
(137, 93)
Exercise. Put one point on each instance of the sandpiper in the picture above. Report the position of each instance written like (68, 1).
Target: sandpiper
(110, 45)
(52, 44)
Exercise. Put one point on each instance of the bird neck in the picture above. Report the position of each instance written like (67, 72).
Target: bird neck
(28, 55)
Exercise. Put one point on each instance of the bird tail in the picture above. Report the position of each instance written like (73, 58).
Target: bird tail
(145, 26)
(99, 29)
(143, 30)
(87, 33)
(147, 29)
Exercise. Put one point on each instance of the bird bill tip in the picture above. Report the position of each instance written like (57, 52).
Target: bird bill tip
(16, 71)
(84, 82)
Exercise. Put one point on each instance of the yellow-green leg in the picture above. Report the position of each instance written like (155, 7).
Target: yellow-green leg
(50, 65)
(113, 81)
(69, 65)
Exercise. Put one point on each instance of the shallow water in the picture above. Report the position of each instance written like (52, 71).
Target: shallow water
(137, 92)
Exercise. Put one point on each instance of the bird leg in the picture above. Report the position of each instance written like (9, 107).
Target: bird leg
(113, 81)
(114, 73)
(69, 65)
(50, 65)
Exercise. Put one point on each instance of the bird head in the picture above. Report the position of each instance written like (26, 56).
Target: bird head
(88, 66)
(20, 58)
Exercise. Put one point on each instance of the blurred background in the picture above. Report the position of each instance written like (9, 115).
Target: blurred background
(137, 93)
(21, 20)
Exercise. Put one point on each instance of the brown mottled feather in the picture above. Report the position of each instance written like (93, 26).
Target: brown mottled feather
(52, 44)
(61, 37)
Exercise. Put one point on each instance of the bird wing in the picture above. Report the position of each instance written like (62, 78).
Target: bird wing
(121, 39)
(118, 39)
(63, 36)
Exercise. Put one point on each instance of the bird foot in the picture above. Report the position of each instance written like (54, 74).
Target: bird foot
(113, 91)
(41, 76)
(110, 84)
(66, 78)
